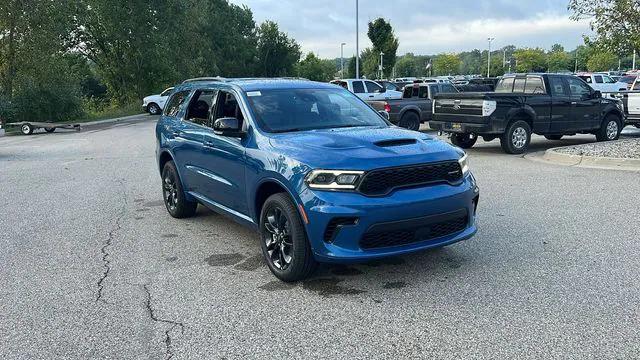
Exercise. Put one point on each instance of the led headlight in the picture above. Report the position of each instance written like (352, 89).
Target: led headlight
(464, 164)
(334, 179)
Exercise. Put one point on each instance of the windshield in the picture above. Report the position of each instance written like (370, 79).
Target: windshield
(285, 110)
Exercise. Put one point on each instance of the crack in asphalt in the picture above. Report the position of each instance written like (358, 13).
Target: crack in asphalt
(105, 248)
(167, 333)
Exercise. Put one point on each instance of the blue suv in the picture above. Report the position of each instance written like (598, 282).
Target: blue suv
(315, 170)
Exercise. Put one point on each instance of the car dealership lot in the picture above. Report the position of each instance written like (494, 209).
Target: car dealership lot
(93, 266)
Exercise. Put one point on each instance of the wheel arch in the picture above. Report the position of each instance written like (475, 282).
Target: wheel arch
(523, 113)
(164, 158)
(267, 187)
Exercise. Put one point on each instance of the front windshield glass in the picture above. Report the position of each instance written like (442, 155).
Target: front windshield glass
(286, 110)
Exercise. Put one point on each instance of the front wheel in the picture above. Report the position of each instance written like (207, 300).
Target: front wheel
(516, 138)
(610, 129)
(283, 240)
(410, 120)
(173, 193)
(153, 109)
(465, 141)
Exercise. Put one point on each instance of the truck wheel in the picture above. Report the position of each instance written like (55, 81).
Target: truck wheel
(610, 129)
(465, 141)
(410, 120)
(26, 129)
(516, 138)
(284, 242)
(553, 137)
(49, 130)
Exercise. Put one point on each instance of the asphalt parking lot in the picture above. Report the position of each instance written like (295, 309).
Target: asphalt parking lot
(92, 266)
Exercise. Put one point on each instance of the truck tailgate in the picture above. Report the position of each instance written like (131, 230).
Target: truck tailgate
(458, 110)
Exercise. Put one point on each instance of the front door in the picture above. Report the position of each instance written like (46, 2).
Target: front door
(585, 107)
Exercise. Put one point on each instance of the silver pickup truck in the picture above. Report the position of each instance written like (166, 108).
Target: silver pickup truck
(415, 106)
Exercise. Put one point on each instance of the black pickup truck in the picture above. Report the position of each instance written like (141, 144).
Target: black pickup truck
(415, 106)
(552, 105)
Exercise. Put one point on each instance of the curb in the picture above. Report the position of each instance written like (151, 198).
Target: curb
(553, 156)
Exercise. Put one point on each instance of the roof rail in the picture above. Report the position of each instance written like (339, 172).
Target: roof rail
(216, 78)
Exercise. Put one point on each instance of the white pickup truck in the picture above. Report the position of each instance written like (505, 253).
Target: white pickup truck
(368, 90)
(631, 105)
(603, 83)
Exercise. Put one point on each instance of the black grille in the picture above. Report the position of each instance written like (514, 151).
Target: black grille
(335, 225)
(379, 239)
(382, 181)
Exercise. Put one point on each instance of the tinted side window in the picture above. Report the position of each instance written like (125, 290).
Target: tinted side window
(557, 88)
(504, 86)
(407, 92)
(534, 85)
(373, 87)
(608, 80)
(578, 87)
(598, 79)
(175, 102)
(423, 93)
(358, 88)
(446, 88)
(518, 85)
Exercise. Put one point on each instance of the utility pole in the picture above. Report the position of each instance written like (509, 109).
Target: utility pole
(342, 60)
(381, 67)
(575, 69)
(489, 57)
(357, 45)
(634, 59)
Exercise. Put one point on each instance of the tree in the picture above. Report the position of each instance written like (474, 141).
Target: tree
(408, 66)
(350, 68)
(277, 53)
(446, 64)
(530, 60)
(316, 69)
(384, 40)
(602, 61)
(615, 22)
(558, 60)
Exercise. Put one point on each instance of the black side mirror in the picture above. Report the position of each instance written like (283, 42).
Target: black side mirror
(228, 126)
(384, 114)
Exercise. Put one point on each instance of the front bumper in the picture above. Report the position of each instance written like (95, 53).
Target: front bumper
(404, 208)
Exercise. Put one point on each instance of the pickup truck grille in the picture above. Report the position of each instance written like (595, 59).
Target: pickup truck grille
(383, 181)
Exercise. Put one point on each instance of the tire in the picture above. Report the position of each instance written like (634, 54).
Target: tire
(553, 137)
(153, 109)
(410, 120)
(465, 141)
(26, 129)
(637, 125)
(516, 138)
(49, 130)
(173, 193)
(610, 129)
(282, 235)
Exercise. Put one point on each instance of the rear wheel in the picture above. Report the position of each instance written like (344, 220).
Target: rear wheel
(173, 193)
(610, 129)
(283, 240)
(553, 137)
(26, 129)
(153, 109)
(516, 138)
(410, 120)
(465, 141)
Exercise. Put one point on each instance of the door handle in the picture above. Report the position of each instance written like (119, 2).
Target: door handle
(574, 103)
(208, 145)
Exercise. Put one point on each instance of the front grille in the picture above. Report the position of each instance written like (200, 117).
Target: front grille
(335, 225)
(382, 181)
(380, 239)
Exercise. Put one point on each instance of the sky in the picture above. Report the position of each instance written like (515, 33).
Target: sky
(424, 27)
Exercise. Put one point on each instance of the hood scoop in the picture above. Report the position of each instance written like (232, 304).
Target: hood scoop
(395, 142)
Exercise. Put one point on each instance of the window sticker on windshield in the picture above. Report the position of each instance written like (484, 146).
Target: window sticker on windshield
(254, 93)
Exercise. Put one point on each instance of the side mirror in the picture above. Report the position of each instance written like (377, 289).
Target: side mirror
(384, 90)
(228, 126)
(384, 114)
(597, 94)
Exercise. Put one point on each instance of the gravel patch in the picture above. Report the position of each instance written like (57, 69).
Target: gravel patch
(622, 149)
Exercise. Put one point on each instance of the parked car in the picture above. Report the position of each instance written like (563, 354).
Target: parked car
(631, 106)
(316, 171)
(631, 81)
(154, 104)
(389, 85)
(552, 105)
(603, 83)
(415, 106)
(368, 89)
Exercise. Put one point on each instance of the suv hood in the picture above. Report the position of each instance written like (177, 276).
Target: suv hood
(363, 148)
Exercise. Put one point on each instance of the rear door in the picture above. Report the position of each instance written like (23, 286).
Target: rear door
(538, 99)
(357, 87)
(586, 109)
(561, 107)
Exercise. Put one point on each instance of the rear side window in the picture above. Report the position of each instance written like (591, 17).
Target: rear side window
(505, 85)
(423, 93)
(557, 88)
(518, 85)
(446, 88)
(534, 85)
(598, 79)
(358, 88)
(407, 92)
(587, 79)
(175, 102)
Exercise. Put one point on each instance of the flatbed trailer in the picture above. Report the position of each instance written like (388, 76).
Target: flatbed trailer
(27, 127)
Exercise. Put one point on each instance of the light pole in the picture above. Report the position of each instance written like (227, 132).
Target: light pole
(342, 59)
(489, 57)
(381, 68)
(357, 45)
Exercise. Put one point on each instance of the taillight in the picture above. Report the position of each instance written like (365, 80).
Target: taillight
(387, 107)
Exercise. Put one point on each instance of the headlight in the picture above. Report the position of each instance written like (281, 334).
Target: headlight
(488, 107)
(464, 164)
(334, 179)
